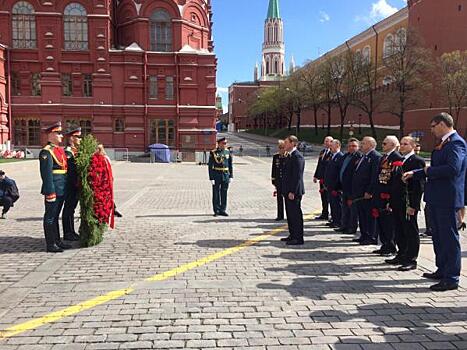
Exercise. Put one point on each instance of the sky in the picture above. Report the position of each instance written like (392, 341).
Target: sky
(312, 27)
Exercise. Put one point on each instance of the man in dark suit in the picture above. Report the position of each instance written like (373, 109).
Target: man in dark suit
(444, 194)
(362, 190)
(293, 189)
(323, 160)
(405, 204)
(277, 173)
(349, 163)
(333, 185)
(385, 180)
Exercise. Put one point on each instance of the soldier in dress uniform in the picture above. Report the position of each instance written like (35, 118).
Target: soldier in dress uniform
(72, 185)
(278, 162)
(220, 174)
(53, 168)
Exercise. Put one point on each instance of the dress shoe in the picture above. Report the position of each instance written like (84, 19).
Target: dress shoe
(377, 251)
(3, 217)
(321, 217)
(339, 229)
(223, 213)
(357, 240)
(118, 214)
(349, 232)
(286, 239)
(395, 261)
(63, 245)
(432, 275)
(408, 267)
(367, 242)
(444, 286)
(71, 236)
(54, 249)
(279, 219)
(328, 224)
(387, 254)
(294, 242)
(215, 214)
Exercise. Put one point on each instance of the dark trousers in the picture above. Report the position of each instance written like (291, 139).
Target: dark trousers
(446, 242)
(335, 203)
(406, 235)
(324, 201)
(68, 216)
(366, 221)
(219, 196)
(349, 215)
(51, 215)
(428, 223)
(280, 204)
(6, 202)
(385, 226)
(294, 214)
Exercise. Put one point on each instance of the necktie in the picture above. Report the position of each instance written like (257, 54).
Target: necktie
(360, 162)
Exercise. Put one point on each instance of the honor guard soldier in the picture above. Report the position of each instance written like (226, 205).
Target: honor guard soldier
(220, 174)
(277, 172)
(72, 185)
(53, 168)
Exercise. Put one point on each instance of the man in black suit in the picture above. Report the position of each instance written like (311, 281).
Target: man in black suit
(278, 162)
(293, 189)
(323, 160)
(385, 181)
(333, 185)
(349, 163)
(405, 203)
(362, 190)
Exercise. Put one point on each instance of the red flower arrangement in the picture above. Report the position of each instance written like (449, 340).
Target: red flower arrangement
(385, 196)
(398, 163)
(375, 213)
(334, 193)
(321, 182)
(100, 180)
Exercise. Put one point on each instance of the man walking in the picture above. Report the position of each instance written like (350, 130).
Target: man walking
(385, 180)
(72, 186)
(349, 163)
(333, 185)
(221, 175)
(9, 193)
(277, 173)
(362, 190)
(405, 204)
(323, 160)
(293, 189)
(53, 168)
(444, 194)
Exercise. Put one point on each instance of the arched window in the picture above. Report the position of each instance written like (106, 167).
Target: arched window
(24, 26)
(161, 31)
(366, 54)
(276, 66)
(75, 25)
(388, 48)
(268, 65)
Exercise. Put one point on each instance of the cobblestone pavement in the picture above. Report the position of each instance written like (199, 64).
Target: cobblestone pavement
(328, 294)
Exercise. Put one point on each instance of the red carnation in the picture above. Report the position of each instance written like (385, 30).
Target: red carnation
(334, 193)
(321, 181)
(385, 196)
(375, 213)
(398, 163)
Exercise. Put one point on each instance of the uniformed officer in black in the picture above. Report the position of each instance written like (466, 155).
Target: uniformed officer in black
(72, 185)
(278, 163)
(220, 174)
(53, 169)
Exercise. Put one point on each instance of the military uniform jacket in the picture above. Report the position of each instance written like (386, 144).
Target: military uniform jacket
(410, 193)
(386, 179)
(220, 165)
(277, 172)
(72, 174)
(324, 157)
(53, 168)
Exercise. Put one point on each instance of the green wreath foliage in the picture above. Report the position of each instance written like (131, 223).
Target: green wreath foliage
(90, 231)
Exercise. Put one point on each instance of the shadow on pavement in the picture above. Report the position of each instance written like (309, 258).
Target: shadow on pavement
(15, 244)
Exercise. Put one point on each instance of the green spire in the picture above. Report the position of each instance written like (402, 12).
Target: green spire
(273, 10)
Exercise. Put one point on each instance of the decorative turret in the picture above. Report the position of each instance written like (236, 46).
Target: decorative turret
(256, 72)
(292, 66)
(273, 62)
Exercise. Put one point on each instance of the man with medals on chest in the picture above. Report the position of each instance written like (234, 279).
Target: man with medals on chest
(277, 173)
(53, 169)
(385, 181)
(220, 175)
(72, 186)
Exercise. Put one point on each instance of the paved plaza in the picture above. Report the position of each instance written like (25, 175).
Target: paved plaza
(172, 276)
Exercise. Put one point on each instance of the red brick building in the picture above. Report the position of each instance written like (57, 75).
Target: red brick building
(131, 72)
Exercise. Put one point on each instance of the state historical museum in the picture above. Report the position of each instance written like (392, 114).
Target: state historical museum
(131, 72)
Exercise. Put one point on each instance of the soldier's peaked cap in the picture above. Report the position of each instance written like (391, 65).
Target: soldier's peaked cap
(73, 132)
(222, 139)
(56, 127)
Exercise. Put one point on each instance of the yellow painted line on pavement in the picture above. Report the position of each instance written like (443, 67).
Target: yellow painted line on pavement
(91, 303)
